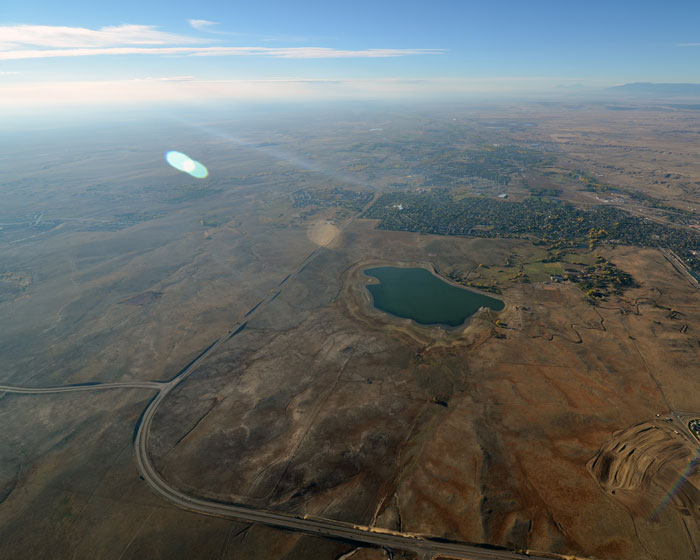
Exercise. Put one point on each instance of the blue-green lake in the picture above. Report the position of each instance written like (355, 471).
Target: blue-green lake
(416, 293)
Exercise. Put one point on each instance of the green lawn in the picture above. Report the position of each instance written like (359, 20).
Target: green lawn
(540, 272)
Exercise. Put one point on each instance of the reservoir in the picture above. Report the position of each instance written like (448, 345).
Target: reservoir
(416, 293)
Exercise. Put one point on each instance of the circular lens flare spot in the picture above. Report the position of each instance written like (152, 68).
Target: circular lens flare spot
(183, 163)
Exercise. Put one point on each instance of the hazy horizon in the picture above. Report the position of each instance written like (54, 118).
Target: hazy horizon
(133, 54)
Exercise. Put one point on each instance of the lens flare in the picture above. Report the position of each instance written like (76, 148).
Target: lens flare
(677, 485)
(183, 163)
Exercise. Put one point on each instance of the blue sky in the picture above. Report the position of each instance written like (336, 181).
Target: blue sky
(50, 52)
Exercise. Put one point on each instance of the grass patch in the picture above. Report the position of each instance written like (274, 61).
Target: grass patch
(586, 259)
(540, 272)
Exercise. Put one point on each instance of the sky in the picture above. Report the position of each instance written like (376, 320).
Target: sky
(139, 52)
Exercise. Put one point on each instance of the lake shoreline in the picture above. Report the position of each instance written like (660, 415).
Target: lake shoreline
(419, 294)
(356, 300)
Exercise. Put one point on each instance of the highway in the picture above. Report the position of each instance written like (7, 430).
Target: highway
(363, 535)
(86, 387)
(359, 534)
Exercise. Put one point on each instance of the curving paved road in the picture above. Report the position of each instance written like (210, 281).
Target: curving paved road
(310, 525)
(305, 524)
(87, 387)
(360, 534)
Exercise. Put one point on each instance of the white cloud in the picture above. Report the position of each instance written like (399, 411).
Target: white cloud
(310, 52)
(281, 52)
(201, 24)
(57, 37)
(688, 45)
(20, 42)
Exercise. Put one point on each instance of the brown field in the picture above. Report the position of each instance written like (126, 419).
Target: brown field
(355, 436)
(554, 437)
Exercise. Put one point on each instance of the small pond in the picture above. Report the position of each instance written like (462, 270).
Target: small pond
(416, 293)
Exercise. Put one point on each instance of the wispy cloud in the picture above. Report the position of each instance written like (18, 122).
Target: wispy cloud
(201, 24)
(277, 52)
(688, 45)
(311, 52)
(56, 37)
(20, 42)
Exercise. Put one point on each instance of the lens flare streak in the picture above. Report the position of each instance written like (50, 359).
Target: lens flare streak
(184, 163)
(298, 162)
(692, 466)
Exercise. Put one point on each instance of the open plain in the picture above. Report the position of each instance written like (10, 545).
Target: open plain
(558, 424)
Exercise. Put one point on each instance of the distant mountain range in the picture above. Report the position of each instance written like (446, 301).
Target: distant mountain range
(647, 89)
